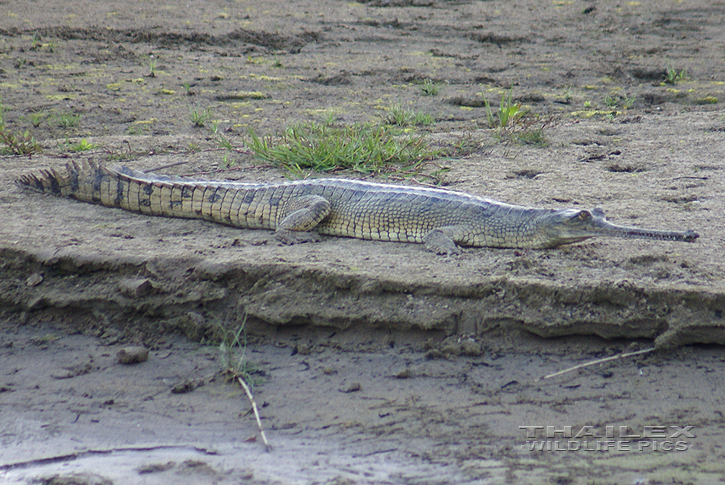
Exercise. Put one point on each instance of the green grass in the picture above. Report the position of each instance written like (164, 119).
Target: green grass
(617, 101)
(397, 115)
(673, 76)
(512, 123)
(36, 119)
(81, 146)
(233, 355)
(532, 136)
(67, 120)
(198, 118)
(429, 88)
(507, 114)
(152, 67)
(17, 143)
(360, 147)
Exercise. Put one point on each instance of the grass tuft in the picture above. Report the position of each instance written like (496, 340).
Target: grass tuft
(508, 113)
(81, 146)
(429, 88)
(673, 76)
(360, 147)
(233, 355)
(67, 120)
(17, 143)
(400, 116)
(198, 118)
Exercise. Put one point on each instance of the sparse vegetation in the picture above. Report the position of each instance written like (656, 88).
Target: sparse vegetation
(198, 118)
(429, 88)
(397, 115)
(361, 147)
(67, 120)
(508, 113)
(152, 67)
(81, 146)
(36, 119)
(17, 143)
(512, 122)
(233, 355)
(673, 76)
(532, 136)
(224, 143)
(187, 88)
(616, 101)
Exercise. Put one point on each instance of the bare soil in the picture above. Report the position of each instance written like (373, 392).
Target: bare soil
(374, 362)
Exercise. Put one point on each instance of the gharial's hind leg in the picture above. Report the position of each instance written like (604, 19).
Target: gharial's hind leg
(442, 240)
(301, 215)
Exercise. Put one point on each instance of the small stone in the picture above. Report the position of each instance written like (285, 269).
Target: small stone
(303, 349)
(135, 287)
(404, 374)
(132, 355)
(184, 387)
(354, 387)
(34, 279)
(471, 347)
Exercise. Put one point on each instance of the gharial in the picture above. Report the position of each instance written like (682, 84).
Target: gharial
(440, 219)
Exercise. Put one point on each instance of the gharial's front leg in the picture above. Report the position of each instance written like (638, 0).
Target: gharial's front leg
(299, 217)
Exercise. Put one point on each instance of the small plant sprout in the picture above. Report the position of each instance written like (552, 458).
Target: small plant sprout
(67, 120)
(81, 146)
(277, 62)
(36, 119)
(17, 143)
(37, 41)
(187, 88)
(429, 88)
(152, 67)
(233, 359)
(402, 117)
(617, 101)
(611, 101)
(673, 76)
(508, 113)
(224, 143)
(198, 118)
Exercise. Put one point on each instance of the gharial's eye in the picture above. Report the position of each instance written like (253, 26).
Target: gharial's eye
(584, 215)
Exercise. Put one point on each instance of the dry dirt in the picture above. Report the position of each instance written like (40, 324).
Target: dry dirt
(373, 362)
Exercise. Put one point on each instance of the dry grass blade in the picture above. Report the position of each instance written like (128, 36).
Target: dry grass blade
(256, 412)
(599, 361)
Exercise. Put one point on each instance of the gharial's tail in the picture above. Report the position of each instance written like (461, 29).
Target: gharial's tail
(135, 191)
(83, 181)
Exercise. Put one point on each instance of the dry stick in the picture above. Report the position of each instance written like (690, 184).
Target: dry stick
(256, 413)
(598, 361)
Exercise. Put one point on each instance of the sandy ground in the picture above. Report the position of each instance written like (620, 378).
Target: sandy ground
(372, 362)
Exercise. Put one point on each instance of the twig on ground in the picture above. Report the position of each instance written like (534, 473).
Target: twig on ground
(256, 413)
(599, 361)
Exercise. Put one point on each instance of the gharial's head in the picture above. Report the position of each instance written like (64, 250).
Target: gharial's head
(567, 226)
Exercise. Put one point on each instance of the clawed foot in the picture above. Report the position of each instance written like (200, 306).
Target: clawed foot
(437, 242)
(296, 237)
